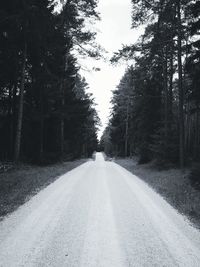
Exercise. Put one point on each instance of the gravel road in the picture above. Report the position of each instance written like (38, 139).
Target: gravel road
(98, 215)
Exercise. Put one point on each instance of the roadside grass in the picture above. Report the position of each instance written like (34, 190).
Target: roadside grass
(19, 184)
(174, 185)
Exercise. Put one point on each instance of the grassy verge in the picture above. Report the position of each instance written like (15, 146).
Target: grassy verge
(175, 186)
(20, 183)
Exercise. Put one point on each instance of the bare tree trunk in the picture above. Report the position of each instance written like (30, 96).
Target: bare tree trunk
(14, 113)
(166, 96)
(165, 86)
(196, 133)
(62, 102)
(10, 114)
(180, 89)
(41, 125)
(20, 108)
(126, 130)
(62, 124)
(171, 74)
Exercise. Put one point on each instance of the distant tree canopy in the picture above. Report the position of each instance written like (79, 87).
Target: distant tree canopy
(46, 113)
(156, 107)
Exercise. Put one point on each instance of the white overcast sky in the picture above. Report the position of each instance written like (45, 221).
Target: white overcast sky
(114, 29)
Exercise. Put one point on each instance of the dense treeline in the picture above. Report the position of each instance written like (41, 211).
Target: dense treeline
(157, 103)
(45, 112)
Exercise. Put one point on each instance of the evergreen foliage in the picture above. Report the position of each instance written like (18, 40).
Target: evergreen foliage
(42, 114)
(163, 119)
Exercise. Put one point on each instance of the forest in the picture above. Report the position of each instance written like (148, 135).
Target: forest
(46, 112)
(156, 105)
